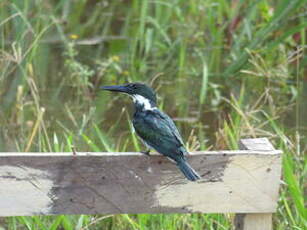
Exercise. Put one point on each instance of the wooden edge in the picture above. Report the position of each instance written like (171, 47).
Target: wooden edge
(225, 152)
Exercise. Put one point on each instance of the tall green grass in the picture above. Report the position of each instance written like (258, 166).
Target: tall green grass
(223, 70)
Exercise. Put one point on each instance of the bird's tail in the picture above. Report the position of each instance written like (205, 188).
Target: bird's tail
(187, 170)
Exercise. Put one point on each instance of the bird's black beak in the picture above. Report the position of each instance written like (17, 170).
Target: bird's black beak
(115, 88)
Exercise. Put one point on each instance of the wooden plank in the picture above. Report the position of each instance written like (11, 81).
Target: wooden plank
(255, 221)
(97, 183)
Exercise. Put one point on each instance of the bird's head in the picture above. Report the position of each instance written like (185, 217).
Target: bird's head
(141, 93)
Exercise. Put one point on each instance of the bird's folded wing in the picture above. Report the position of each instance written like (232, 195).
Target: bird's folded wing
(159, 132)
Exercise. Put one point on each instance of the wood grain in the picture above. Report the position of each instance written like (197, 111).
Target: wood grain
(98, 183)
(255, 221)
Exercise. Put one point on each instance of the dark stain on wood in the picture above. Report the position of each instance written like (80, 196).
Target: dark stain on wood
(239, 221)
(93, 184)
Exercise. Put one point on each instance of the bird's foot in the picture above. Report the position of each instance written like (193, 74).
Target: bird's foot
(147, 152)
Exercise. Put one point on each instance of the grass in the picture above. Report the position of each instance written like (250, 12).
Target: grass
(223, 69)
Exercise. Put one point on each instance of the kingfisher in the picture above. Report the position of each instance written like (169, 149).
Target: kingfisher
(155, 128)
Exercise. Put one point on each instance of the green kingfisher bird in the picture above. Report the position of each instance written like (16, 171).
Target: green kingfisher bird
(156, 129)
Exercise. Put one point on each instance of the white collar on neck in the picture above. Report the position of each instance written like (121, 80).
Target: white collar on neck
(138, 99)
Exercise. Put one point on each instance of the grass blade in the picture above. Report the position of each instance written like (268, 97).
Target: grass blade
(204, 85)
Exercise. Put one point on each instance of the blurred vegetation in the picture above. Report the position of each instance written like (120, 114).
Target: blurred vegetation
(223, 70)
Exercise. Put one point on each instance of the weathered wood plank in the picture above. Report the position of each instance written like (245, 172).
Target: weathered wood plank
(255, 221)
(89, 183)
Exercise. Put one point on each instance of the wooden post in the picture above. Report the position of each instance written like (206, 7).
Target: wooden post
(254, 221)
